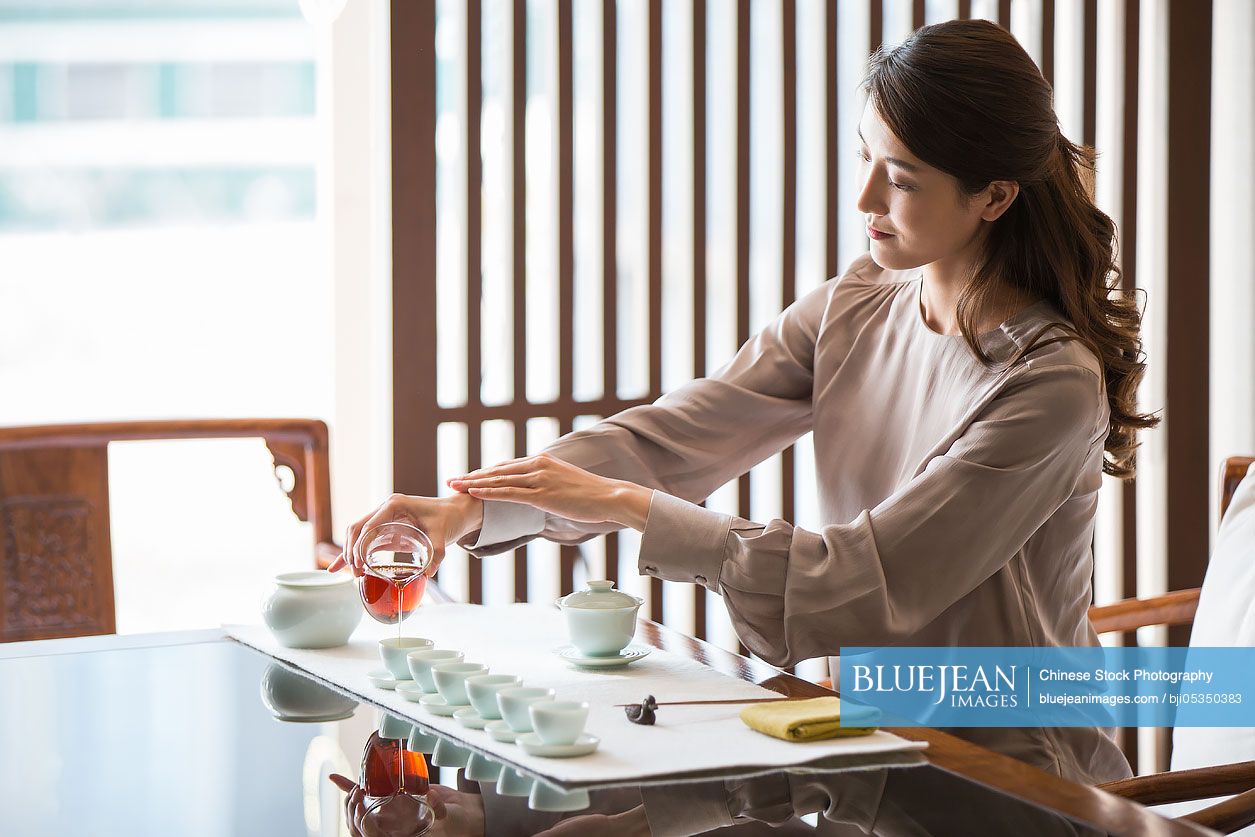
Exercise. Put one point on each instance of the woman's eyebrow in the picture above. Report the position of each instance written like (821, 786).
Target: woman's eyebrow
(902, 164)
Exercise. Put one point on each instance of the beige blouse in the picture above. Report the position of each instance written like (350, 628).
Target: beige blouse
(957, 500)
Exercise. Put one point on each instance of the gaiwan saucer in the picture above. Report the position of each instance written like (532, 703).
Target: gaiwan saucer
(628, 655)
(469, 718)
(533, 746)
(437, 705)
(381, 678)
(410, 690)
(500, 731)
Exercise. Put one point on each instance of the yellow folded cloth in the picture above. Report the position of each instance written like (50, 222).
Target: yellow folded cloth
(808, 720)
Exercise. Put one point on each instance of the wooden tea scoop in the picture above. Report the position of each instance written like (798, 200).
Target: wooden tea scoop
(709, 702)
(643, 712)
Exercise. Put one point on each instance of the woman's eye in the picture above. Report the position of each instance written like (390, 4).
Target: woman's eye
(904, 187)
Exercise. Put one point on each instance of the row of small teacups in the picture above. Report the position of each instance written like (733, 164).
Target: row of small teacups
(498, 703)
(480, 768)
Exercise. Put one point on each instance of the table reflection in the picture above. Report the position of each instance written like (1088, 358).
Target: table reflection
(393, 795)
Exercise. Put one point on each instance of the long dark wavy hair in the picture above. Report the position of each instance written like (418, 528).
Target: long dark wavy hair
(967, 99)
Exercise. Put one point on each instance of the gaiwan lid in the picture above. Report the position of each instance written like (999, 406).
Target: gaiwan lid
(599, 595)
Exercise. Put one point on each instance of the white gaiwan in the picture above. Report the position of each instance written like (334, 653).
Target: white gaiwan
(312, 609)
(600, 620)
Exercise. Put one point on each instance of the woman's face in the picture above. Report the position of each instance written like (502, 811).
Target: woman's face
(920, 209)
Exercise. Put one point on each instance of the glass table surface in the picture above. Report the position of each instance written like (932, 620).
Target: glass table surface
(208, 737)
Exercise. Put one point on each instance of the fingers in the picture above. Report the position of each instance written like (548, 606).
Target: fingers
(462, 484)
(433, 515)
(509, 466)
(438, 808)
(527, 464)
(350, 545)
(437, 558)
(344, 783)
(391, 509)
(342, 560)
(515, 487)
(352, 802)
(524, 479)
(513, 494)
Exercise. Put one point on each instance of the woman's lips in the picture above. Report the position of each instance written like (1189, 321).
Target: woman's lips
(877, 235)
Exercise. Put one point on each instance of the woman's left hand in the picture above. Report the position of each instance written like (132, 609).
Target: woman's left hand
(631, 823)
(560, 488)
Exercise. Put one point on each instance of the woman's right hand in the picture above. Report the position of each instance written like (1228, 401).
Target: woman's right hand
(456, 813)
(443, 519)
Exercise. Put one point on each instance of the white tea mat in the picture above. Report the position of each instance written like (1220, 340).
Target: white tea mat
(686, 742)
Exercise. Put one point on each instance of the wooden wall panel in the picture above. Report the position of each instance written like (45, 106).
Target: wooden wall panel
(1188, 299)
(416, 412)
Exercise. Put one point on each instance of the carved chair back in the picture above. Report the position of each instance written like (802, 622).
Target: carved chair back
(56, 564)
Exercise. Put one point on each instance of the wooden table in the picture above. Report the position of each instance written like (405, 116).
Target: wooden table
(978, 764)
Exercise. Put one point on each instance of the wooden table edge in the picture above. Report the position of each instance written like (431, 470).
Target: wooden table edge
(978, 764)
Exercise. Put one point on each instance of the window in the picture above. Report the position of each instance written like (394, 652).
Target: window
(160, 236)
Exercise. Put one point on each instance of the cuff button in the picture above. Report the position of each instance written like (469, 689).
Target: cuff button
(701, 579)
(651, 569)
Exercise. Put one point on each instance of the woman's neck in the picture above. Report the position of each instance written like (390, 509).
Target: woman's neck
(943, 284)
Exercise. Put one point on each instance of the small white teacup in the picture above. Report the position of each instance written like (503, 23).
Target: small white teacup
(513, 783)
(421, 742)
(480, 768)
(482, 690)
(420, 663)
(450, 680)
(390, 726)
(545, 797)
(448, 754)
(558, 721)
(514, 702)
(394, 649)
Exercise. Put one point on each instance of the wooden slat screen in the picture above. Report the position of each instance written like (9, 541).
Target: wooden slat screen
(585, 133)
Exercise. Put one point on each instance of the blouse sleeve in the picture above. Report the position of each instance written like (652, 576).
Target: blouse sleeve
(697, 807)
(692, 440)
(883, 576)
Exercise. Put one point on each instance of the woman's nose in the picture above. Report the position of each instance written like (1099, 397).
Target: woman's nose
(870, 196)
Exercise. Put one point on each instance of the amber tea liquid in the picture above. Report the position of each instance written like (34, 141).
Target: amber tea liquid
(390, 592)
(388, 768)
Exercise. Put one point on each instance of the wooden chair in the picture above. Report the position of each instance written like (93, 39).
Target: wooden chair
(1179, 608)
(56, 566)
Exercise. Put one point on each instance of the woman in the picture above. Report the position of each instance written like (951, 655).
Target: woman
(968, 382)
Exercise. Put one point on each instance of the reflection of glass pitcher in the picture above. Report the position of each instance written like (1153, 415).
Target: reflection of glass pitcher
(394, 556)
(389, 768)
(393, 785)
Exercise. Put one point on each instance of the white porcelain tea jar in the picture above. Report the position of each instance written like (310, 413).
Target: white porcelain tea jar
(298, 699)
(312, 609)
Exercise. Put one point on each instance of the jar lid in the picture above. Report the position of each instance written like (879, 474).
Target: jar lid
(599, 595)
(312, 578)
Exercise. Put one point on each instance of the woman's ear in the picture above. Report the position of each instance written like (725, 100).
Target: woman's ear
(999, 195)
